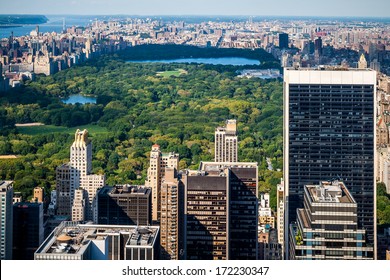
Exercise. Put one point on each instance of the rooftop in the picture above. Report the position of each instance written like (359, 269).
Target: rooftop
(125, 190)
(335, 192)
(328, 68)
(170, 155)
(5, 185)
(217, 166)
(74, 238)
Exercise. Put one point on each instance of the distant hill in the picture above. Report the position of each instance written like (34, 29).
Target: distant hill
(22, 19)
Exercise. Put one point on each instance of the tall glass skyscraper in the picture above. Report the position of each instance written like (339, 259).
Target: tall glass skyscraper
(329, 133)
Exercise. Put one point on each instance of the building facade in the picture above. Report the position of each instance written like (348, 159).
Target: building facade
(6, 194)
(383, 243)
(280, 214)
(64, 201)
(28, 229)
(172, 207)
(329, 132)
(52, 208)
(78, 207)
(226, 142)
(156, 172)
(206, 216)
(77, 174)
(80, 172)
(124, 205)
(283, 40)
(327, 226)
(38, 194)
(221, 211)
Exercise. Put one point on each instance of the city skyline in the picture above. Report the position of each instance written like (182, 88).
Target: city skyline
(378, 8)
(195, 152)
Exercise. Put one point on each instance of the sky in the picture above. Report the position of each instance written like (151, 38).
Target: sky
(326, 8)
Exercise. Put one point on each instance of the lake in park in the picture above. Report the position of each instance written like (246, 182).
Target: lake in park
(237, 61)
(78, 98)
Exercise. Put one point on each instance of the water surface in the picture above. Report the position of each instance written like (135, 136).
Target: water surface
(237, 61)
(78, 98)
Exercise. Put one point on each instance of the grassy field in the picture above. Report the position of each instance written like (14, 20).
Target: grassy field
(175, 73)
(44, 129)
(8, 157)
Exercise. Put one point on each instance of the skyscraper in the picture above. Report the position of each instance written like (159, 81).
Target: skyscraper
(326, 227)
(206, 216)
(6, 194)
(64, 202)
(221, 211)
(329, 132)
(124, 205)
(283, 40)
(318, 46)
(171, 222)
(226, 142)
(28, 230)
(362, 63)
(280, 213)
(77, 174)
(156, 172)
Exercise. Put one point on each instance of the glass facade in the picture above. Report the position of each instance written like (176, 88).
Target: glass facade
(243, 214)
(124, 205)
(222, 212)
(206, 218)
(331, 136)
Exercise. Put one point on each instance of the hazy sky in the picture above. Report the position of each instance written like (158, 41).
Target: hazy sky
(357, 8)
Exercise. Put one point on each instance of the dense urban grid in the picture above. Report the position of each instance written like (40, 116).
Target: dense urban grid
(196, 161)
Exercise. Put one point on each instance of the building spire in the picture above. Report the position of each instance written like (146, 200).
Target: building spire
(362, 64)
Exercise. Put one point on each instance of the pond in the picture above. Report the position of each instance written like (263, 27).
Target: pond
(78, 98)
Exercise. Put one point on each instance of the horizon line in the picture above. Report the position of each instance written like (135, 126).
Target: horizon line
(202, 15)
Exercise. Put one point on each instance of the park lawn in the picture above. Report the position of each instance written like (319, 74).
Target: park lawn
(45, 129)
(175, 73)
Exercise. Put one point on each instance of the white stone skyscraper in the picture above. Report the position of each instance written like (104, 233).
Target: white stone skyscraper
(226, 142)
(80, 157)
(79, 175)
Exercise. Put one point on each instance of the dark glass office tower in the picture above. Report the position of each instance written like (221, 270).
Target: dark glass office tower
(283, 40)
(329, 133)
(124, 205)
(221, 211)
(28, 229)
(243, 212)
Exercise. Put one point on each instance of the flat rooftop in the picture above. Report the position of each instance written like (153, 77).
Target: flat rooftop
(125, 190)
(329, 75)
(328, 68)
(74, 238)
(5, 185)
(216, 166)
(335, 192)
(170, 155)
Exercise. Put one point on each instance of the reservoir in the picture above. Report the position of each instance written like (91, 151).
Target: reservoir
(237, 61)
